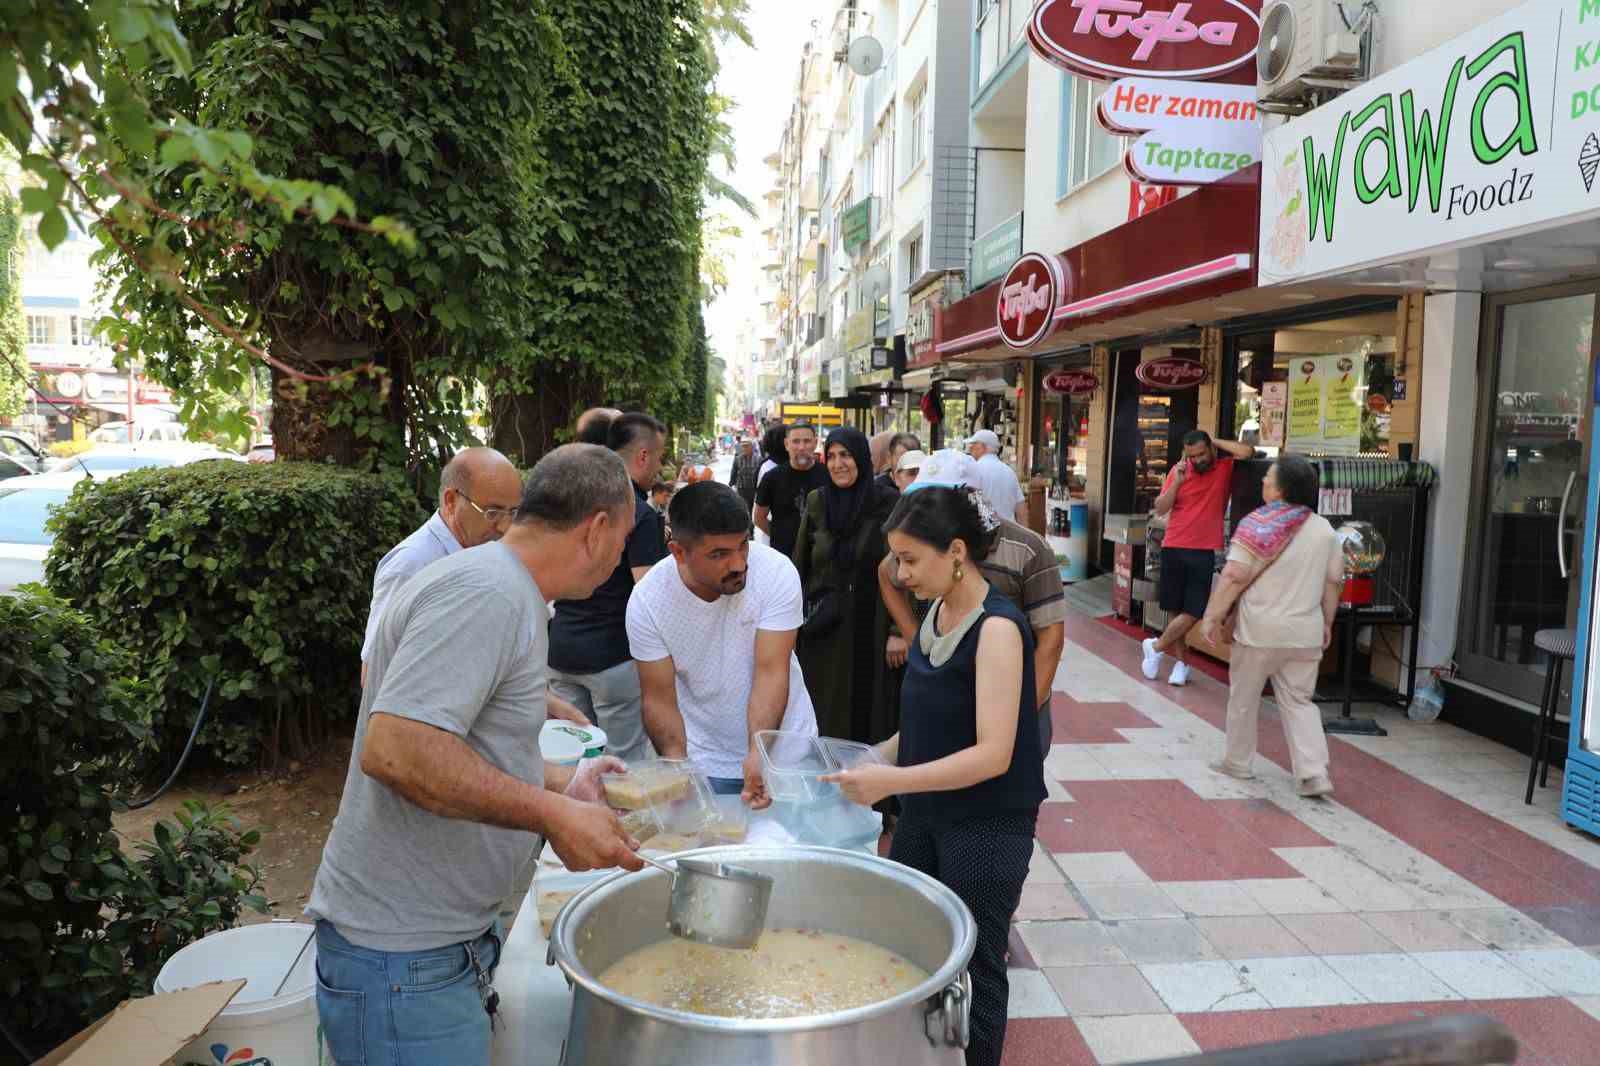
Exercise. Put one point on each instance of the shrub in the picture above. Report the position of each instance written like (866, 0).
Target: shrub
(82, 924)
(256, 577)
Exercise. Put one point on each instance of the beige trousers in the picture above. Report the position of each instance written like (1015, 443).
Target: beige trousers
(1294, 678)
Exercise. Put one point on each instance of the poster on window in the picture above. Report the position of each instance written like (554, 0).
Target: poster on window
(1325, 404)
(1274, 412)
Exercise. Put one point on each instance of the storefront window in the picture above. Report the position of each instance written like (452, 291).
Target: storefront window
(1320, 388)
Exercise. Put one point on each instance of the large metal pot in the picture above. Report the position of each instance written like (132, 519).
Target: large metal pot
(836, 891)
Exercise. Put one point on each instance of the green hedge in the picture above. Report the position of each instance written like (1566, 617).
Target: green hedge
(83, 925)
(255, 575)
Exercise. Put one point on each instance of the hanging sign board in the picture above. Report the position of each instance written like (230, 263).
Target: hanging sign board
(1172, 374)
(1070, 382)
(1492, 133)
(1029, 294)
(1197, 155)
(1325, 404)
(1274, 412)
(1107, 39)
(1193, 132)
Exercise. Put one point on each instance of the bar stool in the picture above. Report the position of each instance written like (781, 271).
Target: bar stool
(1558, 645)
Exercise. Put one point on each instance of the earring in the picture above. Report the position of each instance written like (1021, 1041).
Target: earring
(960, 573)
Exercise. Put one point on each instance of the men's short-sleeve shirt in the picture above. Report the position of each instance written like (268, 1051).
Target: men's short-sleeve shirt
(1196, 518)
(431, 542)
(783, 492)
(461, 647)
(589, 636)
(1282, 608)
(713, 652)
(999, 483)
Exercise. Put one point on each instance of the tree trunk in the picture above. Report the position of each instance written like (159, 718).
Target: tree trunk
(526, 425)
(300, 409)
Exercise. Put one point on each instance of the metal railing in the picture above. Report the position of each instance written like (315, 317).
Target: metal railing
(1002, 27)
(1460, 1040)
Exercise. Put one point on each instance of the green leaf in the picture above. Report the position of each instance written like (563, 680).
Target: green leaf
(36, 201)
(52, 228)
(39, 891)
(130, 24)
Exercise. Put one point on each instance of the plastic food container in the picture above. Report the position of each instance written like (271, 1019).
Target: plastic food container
(730, 824)
(552, 888)
(665, 804)
(793, 766)
(649, 782)
(849, 754)
(564, 743)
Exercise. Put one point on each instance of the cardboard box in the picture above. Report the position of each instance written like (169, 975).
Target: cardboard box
(148, 1031)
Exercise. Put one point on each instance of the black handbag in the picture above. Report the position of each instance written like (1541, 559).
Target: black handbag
(824, 610)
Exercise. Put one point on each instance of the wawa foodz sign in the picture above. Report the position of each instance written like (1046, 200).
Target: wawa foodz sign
(1495, 133)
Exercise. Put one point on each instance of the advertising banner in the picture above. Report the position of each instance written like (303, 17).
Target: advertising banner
(1324, 404)
(1493, 134)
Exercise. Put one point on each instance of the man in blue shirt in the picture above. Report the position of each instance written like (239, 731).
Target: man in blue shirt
(591, 665)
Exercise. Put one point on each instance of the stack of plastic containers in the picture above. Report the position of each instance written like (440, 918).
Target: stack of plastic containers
(815, 811)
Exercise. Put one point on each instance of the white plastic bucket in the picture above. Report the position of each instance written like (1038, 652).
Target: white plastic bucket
(566, 744)
(257, 1028)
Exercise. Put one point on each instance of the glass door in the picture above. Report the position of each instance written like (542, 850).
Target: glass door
(1532, 471)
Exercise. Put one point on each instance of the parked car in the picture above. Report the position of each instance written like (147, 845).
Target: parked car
(262, 451)
(21, 452)
(115, 459)
(25, 504)
(144, 431)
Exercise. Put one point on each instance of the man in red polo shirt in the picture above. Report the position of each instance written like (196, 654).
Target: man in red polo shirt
(1194, 498)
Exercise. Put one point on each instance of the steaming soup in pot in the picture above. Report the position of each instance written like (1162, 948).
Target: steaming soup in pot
(791, 973)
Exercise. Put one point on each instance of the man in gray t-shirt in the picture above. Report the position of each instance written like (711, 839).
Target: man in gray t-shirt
(446, 789)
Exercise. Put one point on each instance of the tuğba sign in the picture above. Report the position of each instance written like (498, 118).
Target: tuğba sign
(1070, 382)
(1029, 294)
(1492, 133)
(1109, 39)
(1172, 374)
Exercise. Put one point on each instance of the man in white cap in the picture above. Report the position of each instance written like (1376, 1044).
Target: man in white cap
(1020, 565)
(996, 480)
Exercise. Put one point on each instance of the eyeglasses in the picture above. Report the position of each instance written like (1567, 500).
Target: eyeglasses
(496, 516)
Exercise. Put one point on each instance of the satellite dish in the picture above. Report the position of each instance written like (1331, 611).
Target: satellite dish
(1277, 44)
(865, 56)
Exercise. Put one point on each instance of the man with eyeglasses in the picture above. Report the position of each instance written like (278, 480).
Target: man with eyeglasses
(591, 666)
(478, 498)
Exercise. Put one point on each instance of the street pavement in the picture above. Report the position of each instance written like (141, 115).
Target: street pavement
(1171, 910)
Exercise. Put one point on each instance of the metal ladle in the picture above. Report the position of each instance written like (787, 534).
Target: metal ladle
(716, 903)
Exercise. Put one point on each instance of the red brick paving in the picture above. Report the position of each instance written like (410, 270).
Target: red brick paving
(1045, 1042)
(1093, 723)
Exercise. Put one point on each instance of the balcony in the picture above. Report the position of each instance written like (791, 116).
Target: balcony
(1002, 30)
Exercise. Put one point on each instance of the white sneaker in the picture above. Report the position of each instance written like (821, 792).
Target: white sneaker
(1152, 659)
(1180, 673)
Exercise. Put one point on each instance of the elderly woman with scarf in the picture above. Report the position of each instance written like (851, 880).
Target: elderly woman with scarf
(1285, 573)
(837, 550)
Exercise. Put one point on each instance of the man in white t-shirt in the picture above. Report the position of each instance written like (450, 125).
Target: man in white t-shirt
(997, 480)
(712, 632)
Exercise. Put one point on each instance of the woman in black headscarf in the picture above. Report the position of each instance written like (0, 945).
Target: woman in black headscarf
(837, 551)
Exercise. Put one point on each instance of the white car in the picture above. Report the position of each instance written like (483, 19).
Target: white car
(25, 502)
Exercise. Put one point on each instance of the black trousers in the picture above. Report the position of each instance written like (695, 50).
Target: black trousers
(984, 861)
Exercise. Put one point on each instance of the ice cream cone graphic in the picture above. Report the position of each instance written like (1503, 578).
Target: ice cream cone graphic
(1589, 161)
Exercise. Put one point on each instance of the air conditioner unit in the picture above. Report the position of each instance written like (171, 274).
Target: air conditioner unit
(1309, 47)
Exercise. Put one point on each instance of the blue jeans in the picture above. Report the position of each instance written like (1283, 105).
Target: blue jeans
(403, 1008)
(726, 786)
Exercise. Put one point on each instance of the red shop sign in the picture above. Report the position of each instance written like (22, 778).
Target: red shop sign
(1029, 294)
(1109, 39)
(1173, 374)
(1070, 382)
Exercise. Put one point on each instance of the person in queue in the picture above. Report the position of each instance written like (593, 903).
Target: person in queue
(1193, 500)
(746, 471)
(994, 478)
(966, 763)
(1019, 564)
(773, 452)
(660, 496)
(882, 461)
(590, 665)
(899, 444)
(594, 425)
(713, 635)
(446, 790)
(1285, 573)
(906, 468)
(836, 552)
(781, 496)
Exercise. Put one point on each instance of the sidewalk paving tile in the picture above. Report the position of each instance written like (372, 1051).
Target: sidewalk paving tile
(1297, 981)
(1422, 930)
(1045, 1042)
(1032, 996)
(1100, 868)
(1389, 978)
(1136, 1038)
(1211, 899)
(1054, 944)
(1337, 934)
(1197, 987)
(1565, 971)
(1042, 870)
(1249, 936)
(1119, 902)
(1162, 940)
(1095, 991)
(1047, 902)
(1481, 975)
(1293, 895)
(1504, 929)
